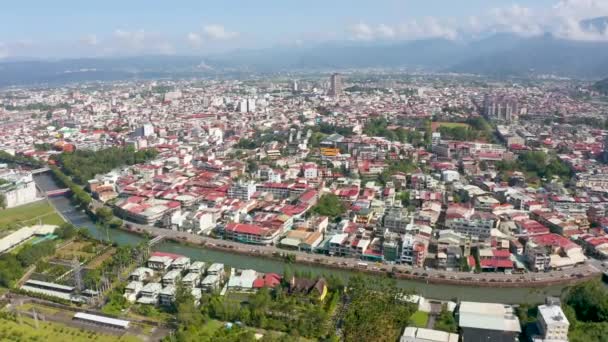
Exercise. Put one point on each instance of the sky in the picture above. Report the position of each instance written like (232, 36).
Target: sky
(80, 28)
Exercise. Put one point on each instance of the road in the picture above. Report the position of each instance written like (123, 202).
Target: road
(585, 270)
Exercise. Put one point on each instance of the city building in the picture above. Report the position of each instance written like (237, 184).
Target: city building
(335, 86)
(487, 322)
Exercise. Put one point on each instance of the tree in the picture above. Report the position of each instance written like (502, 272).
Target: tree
(3, 203)
(589, 301)
(66, 231)
(104, 214)
(375, 312)
(445, 321)
(329, 205)
(187, 312)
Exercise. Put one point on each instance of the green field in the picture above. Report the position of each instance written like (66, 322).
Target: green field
(30, 214)
(51, 332)
(419, 319)
(451, 124)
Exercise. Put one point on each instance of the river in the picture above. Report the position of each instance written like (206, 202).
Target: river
(444, 292)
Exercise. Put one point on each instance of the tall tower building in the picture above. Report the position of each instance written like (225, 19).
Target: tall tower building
(335, 88)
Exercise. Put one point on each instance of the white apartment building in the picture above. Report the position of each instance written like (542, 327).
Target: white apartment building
(552, 323)
(18, 188)
(473, 227)
(242, 191)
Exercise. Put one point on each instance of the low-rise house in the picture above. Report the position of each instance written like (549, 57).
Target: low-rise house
(218, 270)
(141, 274)
(132, 290)
(159, 262)
(166, 296)
(150, 293)
(210, 283)
(242, 280)
(191, 279)
(181, 263)
(317, 288)
(172, 277)
(197, 267)
(268, 280)
(251, 233)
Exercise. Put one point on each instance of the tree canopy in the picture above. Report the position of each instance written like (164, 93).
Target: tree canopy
(376, 311)
(83, 165)
(329, 205)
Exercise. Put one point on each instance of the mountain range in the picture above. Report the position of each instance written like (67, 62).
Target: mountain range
(498, 55)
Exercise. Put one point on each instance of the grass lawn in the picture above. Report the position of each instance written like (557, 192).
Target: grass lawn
(29, 214)
(52, 332)
(451, 124)
(419, 319)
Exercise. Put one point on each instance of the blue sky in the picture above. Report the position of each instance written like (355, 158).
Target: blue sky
(69, 28)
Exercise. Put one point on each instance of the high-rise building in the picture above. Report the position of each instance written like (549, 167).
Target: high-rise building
(251, 105)
(500, 108)
(335, 88)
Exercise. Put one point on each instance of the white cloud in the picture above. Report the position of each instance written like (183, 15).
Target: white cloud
(426, 28)
(134, 38)
(562, 20)
(218, 32)
(194, 39)
(90, 40)
(386, 31)
(362, 31)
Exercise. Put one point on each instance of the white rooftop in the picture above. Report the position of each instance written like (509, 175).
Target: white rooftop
(488, 316)
(429, 335)
(553, 314)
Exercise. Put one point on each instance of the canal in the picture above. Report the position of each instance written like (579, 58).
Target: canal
(445, 292)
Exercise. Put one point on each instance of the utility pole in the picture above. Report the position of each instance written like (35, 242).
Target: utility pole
(76, 269)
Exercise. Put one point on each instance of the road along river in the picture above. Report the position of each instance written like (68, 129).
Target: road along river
(513, 295)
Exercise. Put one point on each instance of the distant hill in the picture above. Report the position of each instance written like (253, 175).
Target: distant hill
(495, 55)
(542, 55)
(601, 86)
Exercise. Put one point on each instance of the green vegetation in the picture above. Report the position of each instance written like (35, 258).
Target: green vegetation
(400, 166)
(297, 315)
(25, 329)
(38, 106)
(19, 160)
(3, 203)
(29, 214)
(536, 165)
(586, 307)
(419, 319)
(360, 89)
(601, 86)
(452, 124)
(379, 128)
(446, 321)
(13, 265)
(328, 129)
(375, 312)
(474, 129)
(329, 205)
(79, 196)
(83, 165)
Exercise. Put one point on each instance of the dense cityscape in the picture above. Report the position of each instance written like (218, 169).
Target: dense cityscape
(436, 178)
(332, 171)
